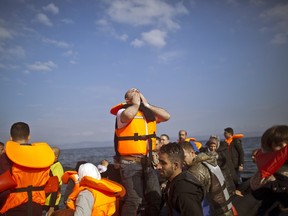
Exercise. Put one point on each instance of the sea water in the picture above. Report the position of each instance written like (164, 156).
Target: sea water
(69, 157)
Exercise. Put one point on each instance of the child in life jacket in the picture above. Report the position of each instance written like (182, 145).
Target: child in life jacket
(270, 184)
(95, 196)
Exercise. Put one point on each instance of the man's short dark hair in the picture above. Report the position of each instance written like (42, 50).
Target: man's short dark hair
(19, 131)
(165, 136)
(229, 130)
(274, 135)
(174, 151)
(187, 146)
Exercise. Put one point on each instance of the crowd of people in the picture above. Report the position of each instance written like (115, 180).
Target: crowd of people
(149, 175)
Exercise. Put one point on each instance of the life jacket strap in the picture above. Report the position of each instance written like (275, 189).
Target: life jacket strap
(136, 137)
(226, 203)
(219, 190)
(29, 190)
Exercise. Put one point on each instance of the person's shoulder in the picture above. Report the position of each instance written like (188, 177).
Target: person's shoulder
(85, 194)
(185, 180)
(5, 163)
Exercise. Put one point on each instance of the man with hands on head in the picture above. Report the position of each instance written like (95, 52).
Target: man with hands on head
(134, 140)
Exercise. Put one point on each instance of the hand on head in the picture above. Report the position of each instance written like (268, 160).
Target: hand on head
(132, 96)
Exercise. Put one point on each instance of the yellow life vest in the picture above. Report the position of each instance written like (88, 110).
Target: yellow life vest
(198, 144)
(134, 137)
(28, 177)
(56, 170)
(105, 193)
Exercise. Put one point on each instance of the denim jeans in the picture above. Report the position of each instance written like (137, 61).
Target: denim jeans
(141, 188)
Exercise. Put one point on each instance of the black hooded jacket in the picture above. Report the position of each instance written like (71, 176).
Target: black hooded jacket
(184, 195)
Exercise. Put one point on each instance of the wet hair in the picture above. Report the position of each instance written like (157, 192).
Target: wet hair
(19, 131)
(274, 135)
(229, 130)
(174, 151)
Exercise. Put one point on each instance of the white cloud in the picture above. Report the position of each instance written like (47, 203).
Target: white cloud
(5, 33)
(67, 21)
(168, 56)
(122, 37)
(257, 2)
(278, 12)
(11, 52)
(278, 19)
(232, 2)
(8, 67)
(102, 22)
(42, 66)
(60, 44)
(155, 38)
(137, 43)
(281, 38)
(52, 8)
(16, 51)
(43, 19)
(107, 27)
(71, 53)
(148, 12)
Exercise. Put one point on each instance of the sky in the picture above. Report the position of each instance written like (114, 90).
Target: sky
(210, 64)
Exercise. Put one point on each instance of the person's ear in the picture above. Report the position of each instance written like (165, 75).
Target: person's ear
(176, 164)
(29, 137)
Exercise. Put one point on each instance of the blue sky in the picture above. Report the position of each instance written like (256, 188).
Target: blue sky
(211, 64)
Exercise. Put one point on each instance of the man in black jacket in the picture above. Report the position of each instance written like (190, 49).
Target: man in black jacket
(235, 151)
(184, 192)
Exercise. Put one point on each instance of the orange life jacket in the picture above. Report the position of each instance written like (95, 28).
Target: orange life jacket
(29, 178)
(238, 136)
(235, 136)
(71, 175)
(133, 139)
(198, 144)
(104, 191)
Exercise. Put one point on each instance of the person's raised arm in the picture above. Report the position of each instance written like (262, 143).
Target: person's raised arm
(130, 112)
(161, 114)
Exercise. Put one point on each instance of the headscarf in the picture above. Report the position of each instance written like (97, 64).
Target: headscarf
(89, 169)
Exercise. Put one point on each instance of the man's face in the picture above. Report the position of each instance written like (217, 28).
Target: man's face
(188, 157)
(164, 140)
(227, 135)
(165, 167)
(182, 135)
(158, 145)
